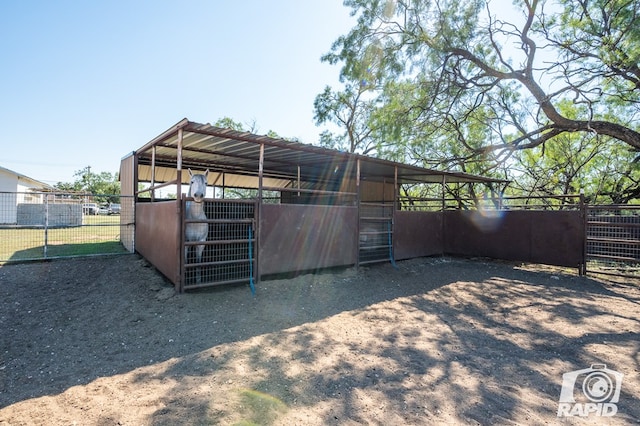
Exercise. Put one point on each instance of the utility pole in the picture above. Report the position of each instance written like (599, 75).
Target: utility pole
(87, 176)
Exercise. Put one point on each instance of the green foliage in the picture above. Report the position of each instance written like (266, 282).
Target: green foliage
(469, 86)
(106, 184)
(351, 111)
(603, 169)
(229, 123)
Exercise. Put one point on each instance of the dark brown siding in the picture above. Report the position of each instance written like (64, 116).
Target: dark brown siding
(157, 236)
(550, 237)
(305, 237)
(417, 234)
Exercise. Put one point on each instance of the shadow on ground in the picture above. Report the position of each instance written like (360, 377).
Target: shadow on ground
(437, 339)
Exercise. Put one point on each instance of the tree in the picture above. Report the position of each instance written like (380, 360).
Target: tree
(606, 171)
(351, 111)
(252, 127)
(482, 84)
(104, 185)
(229, 123)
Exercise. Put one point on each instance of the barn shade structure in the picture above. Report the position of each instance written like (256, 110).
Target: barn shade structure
(279, 206)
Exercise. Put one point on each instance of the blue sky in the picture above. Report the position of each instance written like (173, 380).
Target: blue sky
(85, 83)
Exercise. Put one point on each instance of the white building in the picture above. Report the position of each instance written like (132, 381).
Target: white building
(15, 189)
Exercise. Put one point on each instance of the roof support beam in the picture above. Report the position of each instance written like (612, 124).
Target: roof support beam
(153, 173)
(179, 165)
(260, 173)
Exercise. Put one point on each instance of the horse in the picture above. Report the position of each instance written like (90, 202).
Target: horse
(195, 211)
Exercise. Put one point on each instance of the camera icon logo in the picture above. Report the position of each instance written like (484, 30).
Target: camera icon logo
(594, 390)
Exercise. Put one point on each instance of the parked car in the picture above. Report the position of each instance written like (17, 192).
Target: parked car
(114, 208)
(103, 210)
(90, 208)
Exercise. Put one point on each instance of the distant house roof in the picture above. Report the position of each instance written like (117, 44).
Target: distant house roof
(203, 146)
(25, 178)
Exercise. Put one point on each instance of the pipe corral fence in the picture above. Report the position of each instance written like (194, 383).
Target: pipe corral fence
(37, 225)
(275, 206)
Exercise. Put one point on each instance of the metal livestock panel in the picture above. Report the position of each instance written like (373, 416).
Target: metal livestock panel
(157, 236)
(548, 237)
(613, 240)
(306, 237)
(229, 251)
(417, 234)
(375, 232)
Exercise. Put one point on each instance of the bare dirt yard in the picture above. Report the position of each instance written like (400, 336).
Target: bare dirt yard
(104, 341)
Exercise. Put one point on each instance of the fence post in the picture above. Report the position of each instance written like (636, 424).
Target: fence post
(582, 269)
(46, 224)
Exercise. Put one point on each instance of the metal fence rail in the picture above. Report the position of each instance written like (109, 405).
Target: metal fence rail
(229, 252)
(44, 225)
(547, 202)
(613, 240)
(375, 239)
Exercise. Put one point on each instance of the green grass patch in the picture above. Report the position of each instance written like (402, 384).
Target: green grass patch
(97, 235)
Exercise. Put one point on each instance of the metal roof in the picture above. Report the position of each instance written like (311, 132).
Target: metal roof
(234, 156)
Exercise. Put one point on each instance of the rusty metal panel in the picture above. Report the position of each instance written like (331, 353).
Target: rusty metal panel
(549, 237)
(495, 234)
(306, 237)
(417, 234)
(157, 236)
(376, 191)
(557, 238)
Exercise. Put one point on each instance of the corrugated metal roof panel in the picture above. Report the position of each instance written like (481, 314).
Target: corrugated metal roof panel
(167, 174)
(226, 150)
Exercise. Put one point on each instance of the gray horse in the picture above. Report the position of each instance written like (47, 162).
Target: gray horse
(195, 211)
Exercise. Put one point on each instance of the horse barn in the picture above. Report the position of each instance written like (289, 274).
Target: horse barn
(275, 206)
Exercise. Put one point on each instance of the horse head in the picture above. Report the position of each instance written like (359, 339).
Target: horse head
(198, 186)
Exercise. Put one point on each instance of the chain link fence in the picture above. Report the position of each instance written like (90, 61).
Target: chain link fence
(43, 225)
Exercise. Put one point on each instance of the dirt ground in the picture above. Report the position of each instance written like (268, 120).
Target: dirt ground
(104, 341)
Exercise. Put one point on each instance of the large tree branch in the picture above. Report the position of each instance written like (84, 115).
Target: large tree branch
(560, 122)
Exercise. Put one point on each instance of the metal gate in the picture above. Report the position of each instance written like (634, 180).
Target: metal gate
(375, 232)
(613, 240)
(229, 253)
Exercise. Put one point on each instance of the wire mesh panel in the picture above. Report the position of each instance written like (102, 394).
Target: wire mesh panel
(375, 234)
(613, 240)
(39, 225)
(228, 253)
